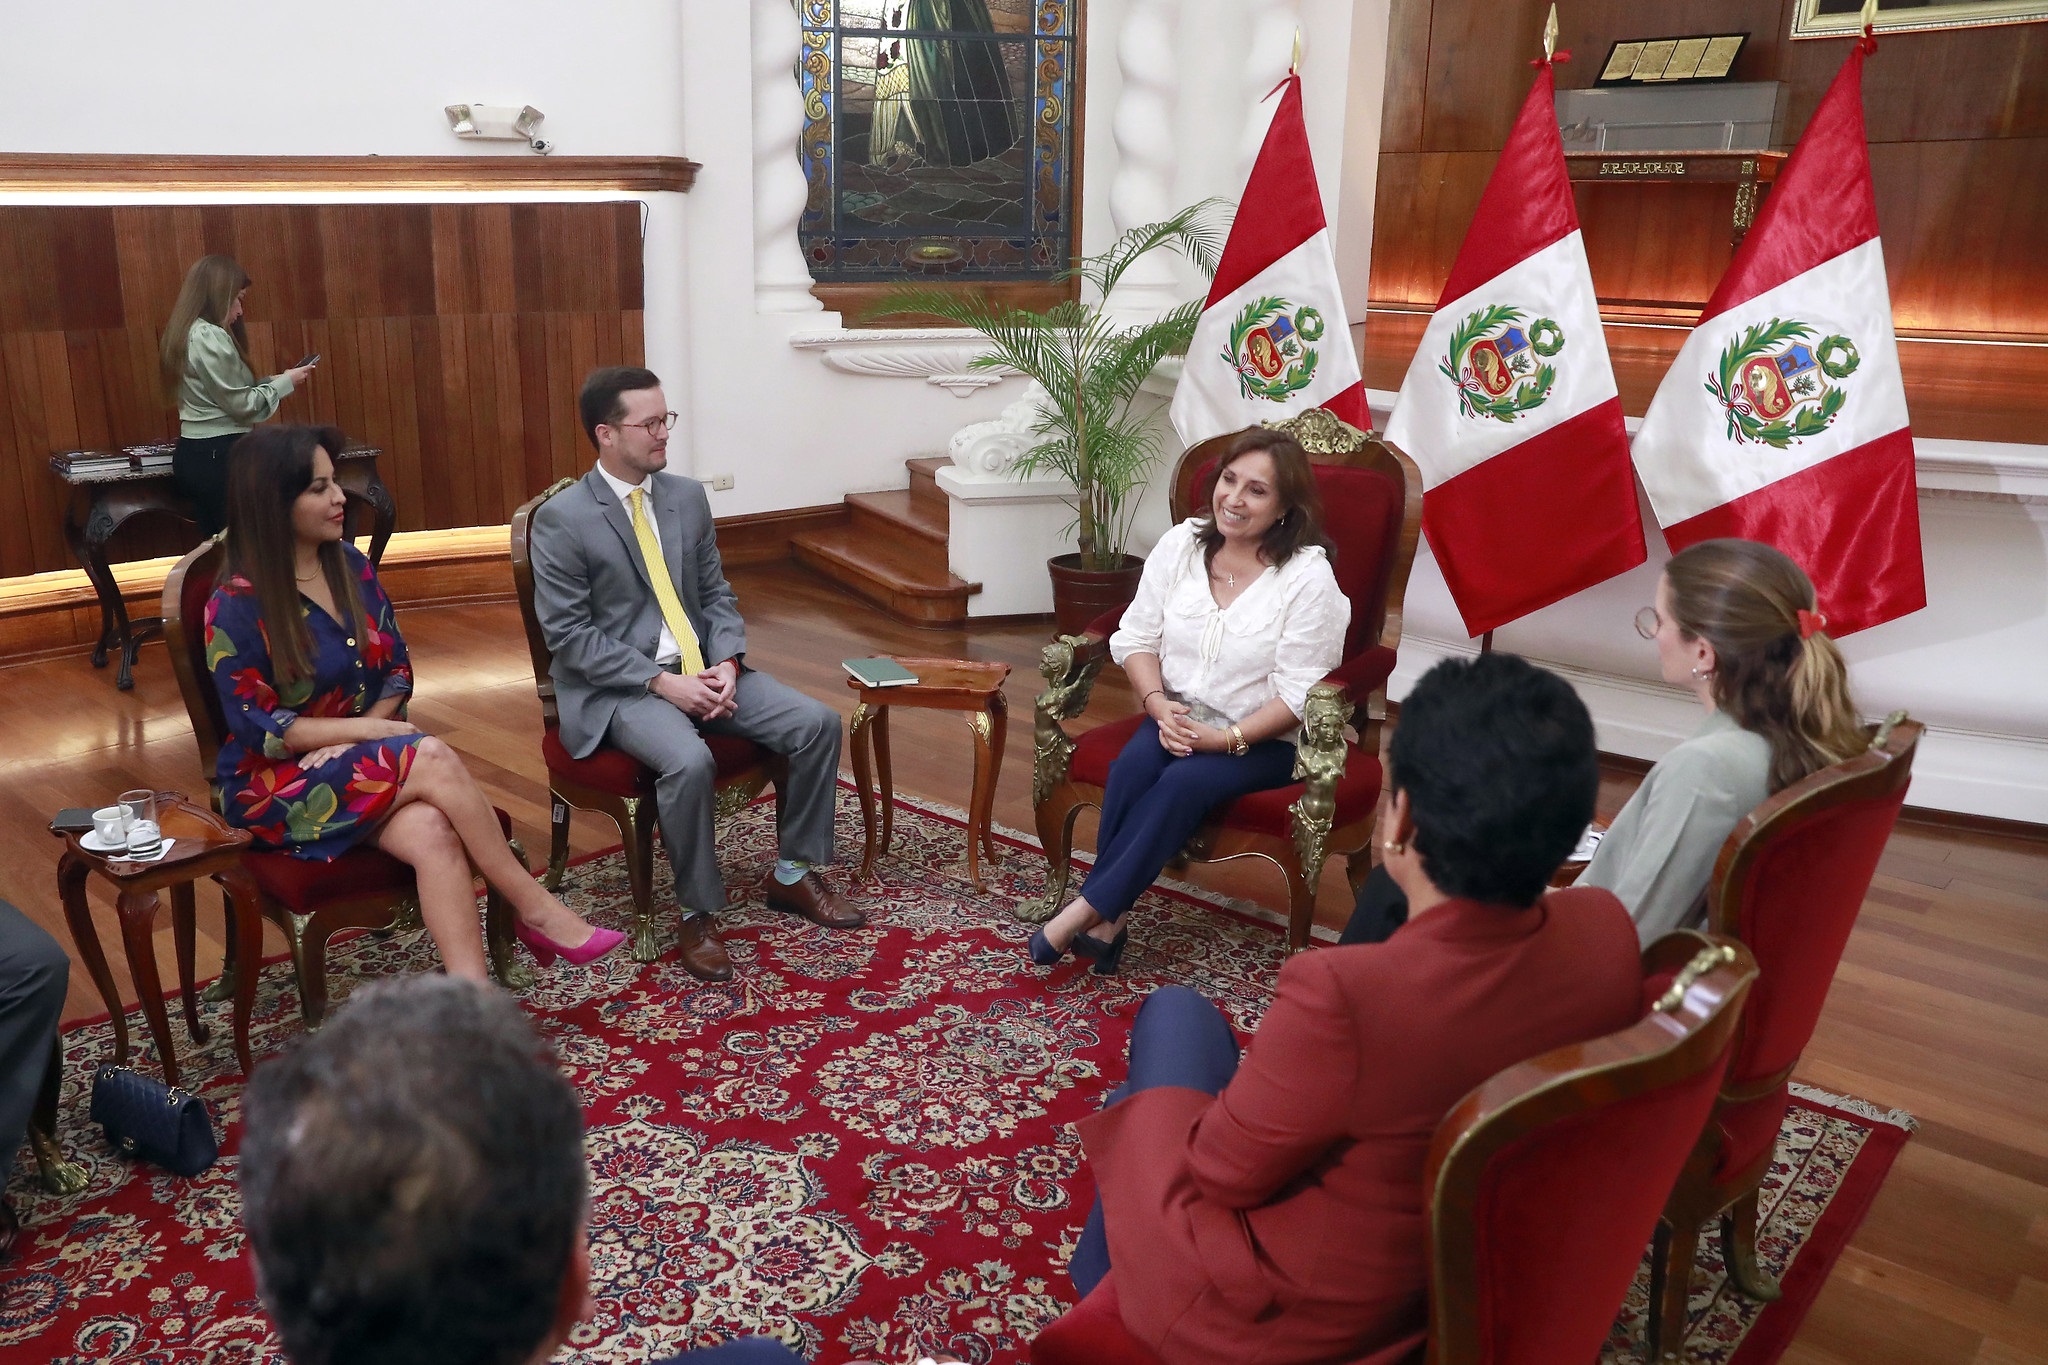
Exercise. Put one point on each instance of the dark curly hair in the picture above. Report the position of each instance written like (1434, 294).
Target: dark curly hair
(1497, 758)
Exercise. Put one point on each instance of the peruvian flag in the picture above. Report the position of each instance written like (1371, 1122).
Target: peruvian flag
(1509, 408)
(1272, 340)
(1783, 419)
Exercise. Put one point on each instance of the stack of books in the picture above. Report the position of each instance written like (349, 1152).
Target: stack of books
(73, 464)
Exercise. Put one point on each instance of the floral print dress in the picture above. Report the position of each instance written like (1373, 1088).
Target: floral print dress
(319, 812)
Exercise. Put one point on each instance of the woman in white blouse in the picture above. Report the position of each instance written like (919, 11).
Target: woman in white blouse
(1237, 616)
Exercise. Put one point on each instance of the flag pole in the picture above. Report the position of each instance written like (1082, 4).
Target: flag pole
(1550, 33)
(1486, 643)
(1294, 62)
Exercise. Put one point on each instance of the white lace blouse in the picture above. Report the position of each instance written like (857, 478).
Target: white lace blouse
(1278, 639)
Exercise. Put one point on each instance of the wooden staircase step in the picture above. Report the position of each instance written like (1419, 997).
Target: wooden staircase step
(924, 482)
(905, 575)
(899, 512)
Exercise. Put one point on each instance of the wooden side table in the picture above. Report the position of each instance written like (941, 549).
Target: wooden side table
(942, 685)
(207, 846)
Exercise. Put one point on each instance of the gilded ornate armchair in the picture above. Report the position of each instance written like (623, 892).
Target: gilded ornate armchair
(1372, 506)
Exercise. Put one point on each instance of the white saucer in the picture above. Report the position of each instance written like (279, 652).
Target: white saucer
(90, 842)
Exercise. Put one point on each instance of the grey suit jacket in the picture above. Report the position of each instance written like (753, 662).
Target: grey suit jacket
(596, 604)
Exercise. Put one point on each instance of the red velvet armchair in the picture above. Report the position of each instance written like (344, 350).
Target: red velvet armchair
(1372, 508)
(365, 888)
(1544, 1183)
(611, 782)
(1789, 883)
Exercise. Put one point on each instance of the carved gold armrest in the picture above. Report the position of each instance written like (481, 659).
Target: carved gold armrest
(1070, 665)
(1318, 763)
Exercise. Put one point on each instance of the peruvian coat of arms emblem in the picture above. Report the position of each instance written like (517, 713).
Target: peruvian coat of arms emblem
(1272, 347)
(1774, 384)
(1501, 368)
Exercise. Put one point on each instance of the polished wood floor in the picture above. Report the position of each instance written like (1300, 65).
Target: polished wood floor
(1941, 1005)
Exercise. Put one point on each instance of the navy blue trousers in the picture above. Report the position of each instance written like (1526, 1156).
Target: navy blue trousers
(1154, 801)
(1178, 1038)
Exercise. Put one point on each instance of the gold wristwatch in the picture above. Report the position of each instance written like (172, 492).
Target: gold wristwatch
(1238, 746)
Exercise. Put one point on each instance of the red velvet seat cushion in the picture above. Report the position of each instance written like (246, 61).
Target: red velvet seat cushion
(304, 886)
(621, 774)
(1092, 1332)
(1261, 812)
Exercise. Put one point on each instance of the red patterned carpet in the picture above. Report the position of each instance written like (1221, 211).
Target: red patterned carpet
(861, 1144)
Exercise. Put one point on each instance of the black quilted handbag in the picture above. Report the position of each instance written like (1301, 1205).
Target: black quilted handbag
(146, 1118)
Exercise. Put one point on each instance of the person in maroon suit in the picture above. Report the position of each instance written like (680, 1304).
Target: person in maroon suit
(1272, 1211)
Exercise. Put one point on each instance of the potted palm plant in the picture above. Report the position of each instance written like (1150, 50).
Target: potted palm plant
(1090, 364)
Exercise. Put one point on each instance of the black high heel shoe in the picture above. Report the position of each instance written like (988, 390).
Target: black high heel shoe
(1107, 957)
(1042, 951)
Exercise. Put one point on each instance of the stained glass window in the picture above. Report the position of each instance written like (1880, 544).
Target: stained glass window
(938, 138)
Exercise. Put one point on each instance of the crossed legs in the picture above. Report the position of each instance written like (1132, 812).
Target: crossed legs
(441, 826)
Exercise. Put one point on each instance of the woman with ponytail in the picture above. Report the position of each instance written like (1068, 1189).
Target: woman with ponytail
(1737, 625)
(1736, 622)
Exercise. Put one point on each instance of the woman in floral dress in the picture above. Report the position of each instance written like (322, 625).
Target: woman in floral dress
(319, 756)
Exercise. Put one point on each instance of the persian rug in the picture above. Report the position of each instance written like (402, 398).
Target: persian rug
(861, 1144)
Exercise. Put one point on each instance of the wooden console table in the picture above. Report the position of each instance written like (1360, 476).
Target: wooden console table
(1747, 171)
(942, 685)
(101, 501)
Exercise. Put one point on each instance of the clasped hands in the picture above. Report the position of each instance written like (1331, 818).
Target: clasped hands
(1179, 733)
(369, 728)
(710, 695)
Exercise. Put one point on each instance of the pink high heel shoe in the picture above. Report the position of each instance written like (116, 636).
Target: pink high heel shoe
(545, 950)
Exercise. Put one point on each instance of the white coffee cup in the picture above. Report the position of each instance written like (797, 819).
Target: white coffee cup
(110, 824)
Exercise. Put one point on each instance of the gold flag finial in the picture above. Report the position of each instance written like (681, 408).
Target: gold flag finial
(1550, 33)
(1294, 62)
(1869, 14)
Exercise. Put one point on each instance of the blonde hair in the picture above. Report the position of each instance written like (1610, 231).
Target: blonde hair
(1745, 599)
(208, 293)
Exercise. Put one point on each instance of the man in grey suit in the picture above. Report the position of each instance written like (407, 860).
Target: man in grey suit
(650, 657)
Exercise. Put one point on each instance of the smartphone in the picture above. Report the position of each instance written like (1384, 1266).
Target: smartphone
(73, 819)
(313, 359)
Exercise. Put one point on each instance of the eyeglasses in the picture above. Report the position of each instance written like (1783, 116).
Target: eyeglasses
(1647, 622)
(653, 426)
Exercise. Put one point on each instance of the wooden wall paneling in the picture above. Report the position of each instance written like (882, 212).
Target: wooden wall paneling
(17, 553)
(1966, 233)
(529, 264)
(1407, 75)
(255, 174)
(458, 458)
(87, 278)
(403, 470)
(137, 409)
(564, 381)
(583, 354)
(1478, 73)
(32, 303)
(510, 449)
(536, 454)
(629, 257)
(634, 321)
(43, 504)
(436, 502)
(88, 389)
(1941, 86)
(1424, 203)
(496, 261)
(405, 239)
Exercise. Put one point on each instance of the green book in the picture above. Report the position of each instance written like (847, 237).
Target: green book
(878, 672)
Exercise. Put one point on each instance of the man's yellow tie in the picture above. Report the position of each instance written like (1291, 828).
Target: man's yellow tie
(664, 587)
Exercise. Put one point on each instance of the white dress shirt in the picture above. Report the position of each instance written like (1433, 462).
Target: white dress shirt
(1280, 637)
(666, 650)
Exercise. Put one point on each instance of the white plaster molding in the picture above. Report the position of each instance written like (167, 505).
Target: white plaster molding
(991, 449)
(782, 282)
(1143, 126)
(937, 355)
(1269, 50)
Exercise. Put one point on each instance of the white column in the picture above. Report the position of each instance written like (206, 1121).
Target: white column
(1269, 49)
(1143, 125)
(782, 283)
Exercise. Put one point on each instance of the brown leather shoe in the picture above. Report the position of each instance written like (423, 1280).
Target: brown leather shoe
(815, 901)
(702, 955)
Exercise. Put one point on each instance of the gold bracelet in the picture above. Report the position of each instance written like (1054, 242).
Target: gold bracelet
(1238, 745)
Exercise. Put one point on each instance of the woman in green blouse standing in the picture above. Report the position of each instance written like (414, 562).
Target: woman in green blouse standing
(205, 355)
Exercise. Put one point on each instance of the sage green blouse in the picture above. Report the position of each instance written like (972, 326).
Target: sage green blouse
(1659, 854)
(219, 395)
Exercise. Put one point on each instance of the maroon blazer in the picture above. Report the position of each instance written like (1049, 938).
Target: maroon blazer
(1282, 1221)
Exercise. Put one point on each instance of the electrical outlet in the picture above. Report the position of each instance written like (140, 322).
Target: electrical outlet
(720, 483)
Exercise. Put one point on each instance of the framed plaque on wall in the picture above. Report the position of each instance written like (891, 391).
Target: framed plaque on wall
(1839, 18)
